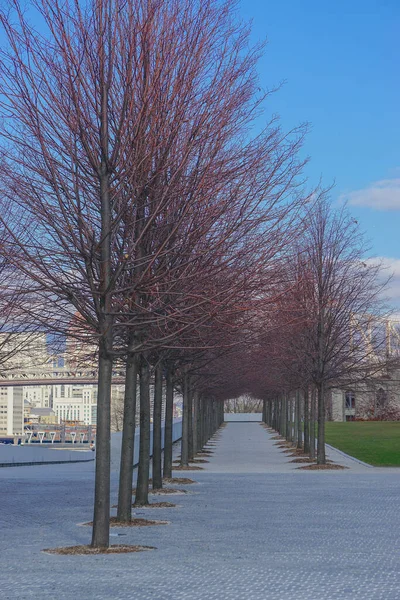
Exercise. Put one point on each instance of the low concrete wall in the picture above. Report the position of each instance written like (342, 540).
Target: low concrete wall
(33, 454)
(242, 417)
(44, 454)
(116, 439)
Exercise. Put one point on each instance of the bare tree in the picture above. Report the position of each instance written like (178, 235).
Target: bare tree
(332, 284)
(66, 109)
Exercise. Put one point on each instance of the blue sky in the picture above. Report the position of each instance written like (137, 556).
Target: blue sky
(340, 60)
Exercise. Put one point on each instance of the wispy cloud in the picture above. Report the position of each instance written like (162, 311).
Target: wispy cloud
(381, 195)
(392, 267)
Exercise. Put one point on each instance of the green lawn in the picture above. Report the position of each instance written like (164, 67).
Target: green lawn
(374, 442)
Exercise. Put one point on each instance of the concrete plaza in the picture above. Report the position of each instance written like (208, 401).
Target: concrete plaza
(253, 528)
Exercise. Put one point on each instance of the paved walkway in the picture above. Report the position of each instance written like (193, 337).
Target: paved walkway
(253, 528)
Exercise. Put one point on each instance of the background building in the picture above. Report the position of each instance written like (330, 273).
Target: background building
(11, 411)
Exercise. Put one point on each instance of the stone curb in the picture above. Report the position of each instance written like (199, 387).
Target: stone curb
(45, 462)
(360, 462)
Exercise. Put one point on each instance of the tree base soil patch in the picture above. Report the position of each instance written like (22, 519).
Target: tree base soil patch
(152, 505)
(166, 491)
(187, 468)
(192, 460)
(156, 505)
(327, 467)
(303, 460)
(114, 549)
(294, 452)
(179, 480)
(132, 523)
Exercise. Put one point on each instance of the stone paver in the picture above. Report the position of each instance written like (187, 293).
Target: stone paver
(254, 528)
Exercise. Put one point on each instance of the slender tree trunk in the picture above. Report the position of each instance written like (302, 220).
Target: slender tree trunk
(283, 415)
(196, 442)
(321, 458)
(289, 419)
(312, 424)
(169, 409)
(306, 423)
(157, 410)
(190, 430)
(185, 423)
(298, 425)
(142, 485)
(203, 422)
(124, 512)
(101, 516)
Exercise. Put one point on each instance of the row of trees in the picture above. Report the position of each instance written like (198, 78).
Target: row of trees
(143, 215)
(327, 330)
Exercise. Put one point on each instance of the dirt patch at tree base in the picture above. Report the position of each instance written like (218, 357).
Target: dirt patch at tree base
(88, 550)
(303, 460)
(132, 523)
(166, 491)
(187, 468)
(152, 505)
(156, 505)
(277, 437)
(327, 467)
(179, 480)
(192, 460)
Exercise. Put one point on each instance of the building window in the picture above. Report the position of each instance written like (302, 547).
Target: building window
(350, 400)
(381, 398)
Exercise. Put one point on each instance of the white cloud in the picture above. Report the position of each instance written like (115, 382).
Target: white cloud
(381, 195)
(392, 267)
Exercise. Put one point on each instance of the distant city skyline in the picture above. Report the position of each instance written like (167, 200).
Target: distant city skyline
(339, 62)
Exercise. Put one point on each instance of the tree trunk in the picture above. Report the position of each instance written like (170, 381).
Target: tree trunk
(142, 485)
(201, 419)
(306, 423)
(124, 512)
(196, 442)
(157, 410)
(283, 415)
(289, 424)
(312, 424)
(298, 424)
(169, 409)
(185, 423)
(101, 516)
(190, 429)
(321, 459)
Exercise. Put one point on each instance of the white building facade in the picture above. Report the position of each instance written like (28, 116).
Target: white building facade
(75, 403)
(11, 411)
